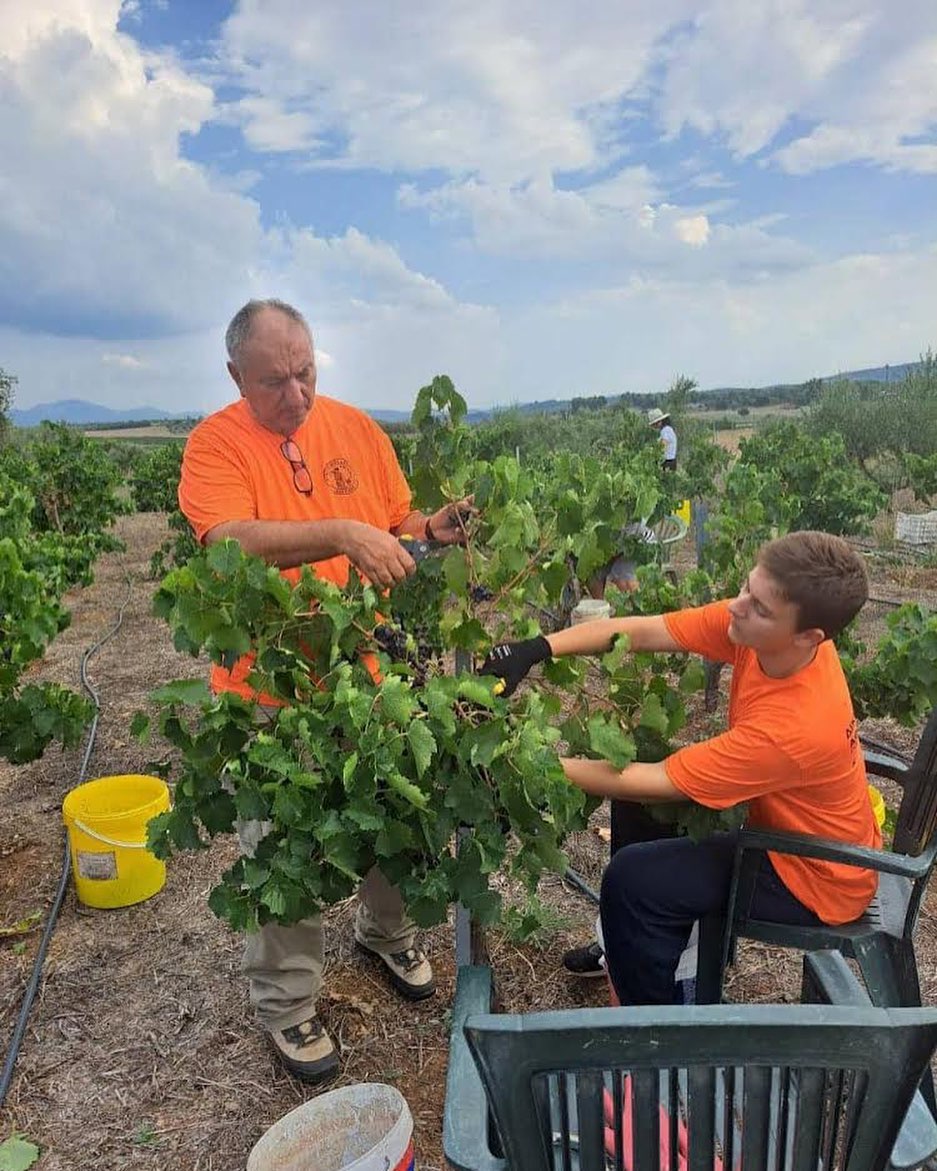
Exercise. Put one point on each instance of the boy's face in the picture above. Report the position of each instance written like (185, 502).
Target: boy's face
(763, 619)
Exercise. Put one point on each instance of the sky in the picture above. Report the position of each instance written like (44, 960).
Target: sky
(540, 198)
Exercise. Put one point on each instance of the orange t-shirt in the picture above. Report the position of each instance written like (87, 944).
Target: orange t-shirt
(792, 752)
(233, 469)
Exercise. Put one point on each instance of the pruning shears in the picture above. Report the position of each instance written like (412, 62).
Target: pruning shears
(418, 549)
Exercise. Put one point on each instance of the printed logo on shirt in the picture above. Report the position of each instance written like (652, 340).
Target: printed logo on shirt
(852, 737)
(340, 476)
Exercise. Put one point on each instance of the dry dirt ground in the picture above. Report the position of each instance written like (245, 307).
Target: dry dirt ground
(140, 1051)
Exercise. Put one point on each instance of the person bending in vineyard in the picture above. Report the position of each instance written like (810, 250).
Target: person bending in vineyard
(791, 751)
(301, 479)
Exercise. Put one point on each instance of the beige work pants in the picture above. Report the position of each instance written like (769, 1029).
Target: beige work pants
(284, 963)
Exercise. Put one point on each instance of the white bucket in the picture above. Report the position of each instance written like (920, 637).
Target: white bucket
(365, 1127)
(589, 609)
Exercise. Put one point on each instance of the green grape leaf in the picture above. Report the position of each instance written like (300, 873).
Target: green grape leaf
(693, 676)
(610, 741)
(189, 692)
(406, 789)
(654, 716)
(422, 744)
(225, 557)
(17, 1154)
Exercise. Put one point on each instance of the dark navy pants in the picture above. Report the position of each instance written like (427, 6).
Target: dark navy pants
(653, 891)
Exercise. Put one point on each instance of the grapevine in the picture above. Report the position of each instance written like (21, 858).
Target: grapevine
(57, 501)
(361, 768)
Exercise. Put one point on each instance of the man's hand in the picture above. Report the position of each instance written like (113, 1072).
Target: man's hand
(448, 525)
(511, 661)
(382, 559)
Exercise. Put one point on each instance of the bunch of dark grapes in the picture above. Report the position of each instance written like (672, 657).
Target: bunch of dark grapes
(413, 650)
(392, 641)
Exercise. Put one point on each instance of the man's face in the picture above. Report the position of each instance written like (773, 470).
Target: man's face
(762, 618)
(276, 372)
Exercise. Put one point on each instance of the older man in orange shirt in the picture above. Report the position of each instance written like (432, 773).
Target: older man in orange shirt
(791, 752)
(301, 479)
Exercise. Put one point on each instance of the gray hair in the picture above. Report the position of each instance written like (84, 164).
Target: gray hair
(239, 329)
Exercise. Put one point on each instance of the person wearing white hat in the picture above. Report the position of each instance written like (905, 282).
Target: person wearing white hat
(660, 421)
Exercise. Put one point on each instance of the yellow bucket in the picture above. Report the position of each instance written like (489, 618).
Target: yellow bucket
(878, 805)
(684, 512)
(106, 822)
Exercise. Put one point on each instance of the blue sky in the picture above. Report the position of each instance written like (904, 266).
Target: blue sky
(539, 204)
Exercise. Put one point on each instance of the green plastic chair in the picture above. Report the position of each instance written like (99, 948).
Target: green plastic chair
(828, 979)
(881, 941)
(741, 1087)
(667, 533)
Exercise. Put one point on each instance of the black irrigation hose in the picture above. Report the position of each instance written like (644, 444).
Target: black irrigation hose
(574, 878)
(33, 986)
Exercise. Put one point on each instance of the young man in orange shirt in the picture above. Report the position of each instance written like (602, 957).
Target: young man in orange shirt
(791, 752)
(297, 479)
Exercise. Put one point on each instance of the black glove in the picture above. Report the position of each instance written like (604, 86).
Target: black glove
(511, 661)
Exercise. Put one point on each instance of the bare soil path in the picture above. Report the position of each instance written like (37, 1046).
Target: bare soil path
(140, 1050)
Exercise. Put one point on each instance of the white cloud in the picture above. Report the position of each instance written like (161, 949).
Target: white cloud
(617, 222)
(710, 179)
(516, 93)
(103, 225)
(692, 230)
(857, 73)
(635, 336)
(125, 361)
(354, 267)
(107, 230)
(270, 127)
(875, 122)
(744, 69)
(508, 92)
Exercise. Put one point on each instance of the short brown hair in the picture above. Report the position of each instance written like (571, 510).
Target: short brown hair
(822, 575)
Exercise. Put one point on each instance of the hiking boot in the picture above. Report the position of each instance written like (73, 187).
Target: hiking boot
(306, 1050)
(408, 970)
(586, 962)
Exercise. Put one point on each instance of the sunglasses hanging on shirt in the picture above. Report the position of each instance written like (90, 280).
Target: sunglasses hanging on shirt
(302, 479)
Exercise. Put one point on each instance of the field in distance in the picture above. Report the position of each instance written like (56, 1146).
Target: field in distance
(143, 431)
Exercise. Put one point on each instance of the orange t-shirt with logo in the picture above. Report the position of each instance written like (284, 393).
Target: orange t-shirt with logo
(233, 469)
(792, 752)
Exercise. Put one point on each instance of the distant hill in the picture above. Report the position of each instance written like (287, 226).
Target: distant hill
(873, 374)
(79, 411)
(552, 405)
(383, 416)
(878, 373)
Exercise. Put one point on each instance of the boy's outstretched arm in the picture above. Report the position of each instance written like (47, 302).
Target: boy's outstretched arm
(635, 782)
(595, 638)
(511, 661)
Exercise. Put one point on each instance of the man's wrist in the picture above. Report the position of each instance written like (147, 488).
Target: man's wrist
(350, 532)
